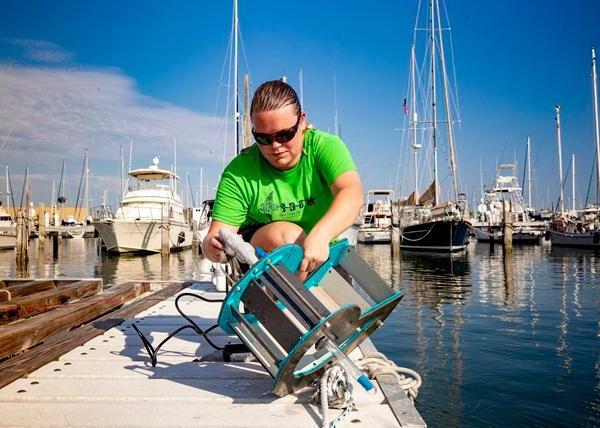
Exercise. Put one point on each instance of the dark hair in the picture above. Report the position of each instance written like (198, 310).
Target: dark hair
(273, 95)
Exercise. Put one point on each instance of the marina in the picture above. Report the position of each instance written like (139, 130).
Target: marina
(534, 320)
(397, 225)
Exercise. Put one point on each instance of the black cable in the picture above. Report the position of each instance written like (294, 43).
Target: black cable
(152, 351)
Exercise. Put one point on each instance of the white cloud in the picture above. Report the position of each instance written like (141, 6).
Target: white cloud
(50, 114)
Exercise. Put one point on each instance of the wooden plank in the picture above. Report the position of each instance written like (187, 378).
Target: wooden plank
(18, 366)
(44, 301)
(403, 408)
(29, 287)
(25, 333)
(8, 313)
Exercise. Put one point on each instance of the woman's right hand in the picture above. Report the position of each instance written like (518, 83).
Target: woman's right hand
(212, 248)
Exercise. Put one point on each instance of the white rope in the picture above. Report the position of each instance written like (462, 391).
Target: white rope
(375, 364)
(334, 392)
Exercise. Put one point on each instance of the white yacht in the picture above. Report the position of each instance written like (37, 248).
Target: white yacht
(150, 204)
(506, 188)
(8, 230)
(376, 219)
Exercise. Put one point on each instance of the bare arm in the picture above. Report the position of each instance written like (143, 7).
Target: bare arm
(211, 246)
(347, 202)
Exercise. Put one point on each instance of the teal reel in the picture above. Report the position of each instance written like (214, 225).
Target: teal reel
(297, 330)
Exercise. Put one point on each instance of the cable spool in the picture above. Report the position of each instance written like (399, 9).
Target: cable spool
(285, 322)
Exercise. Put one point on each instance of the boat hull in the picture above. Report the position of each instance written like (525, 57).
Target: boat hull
(496, 235)
(439, 236)
(579, 240)
(123, 236)
(374, 235)
(8, 239)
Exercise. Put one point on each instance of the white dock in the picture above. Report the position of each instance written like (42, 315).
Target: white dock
(109, 382)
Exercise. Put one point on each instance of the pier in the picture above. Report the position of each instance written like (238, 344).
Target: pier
(100, 375)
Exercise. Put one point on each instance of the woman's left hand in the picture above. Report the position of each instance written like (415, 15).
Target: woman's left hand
(316, 251)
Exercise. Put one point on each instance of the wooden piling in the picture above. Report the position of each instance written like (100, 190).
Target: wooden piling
(41, 227)
(22, 240)
(56, 244)
(507, 227)
(395, 240)
(164, 235)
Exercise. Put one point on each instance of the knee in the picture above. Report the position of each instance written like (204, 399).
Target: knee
(278, 234)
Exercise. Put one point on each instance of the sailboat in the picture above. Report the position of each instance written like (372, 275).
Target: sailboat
(8, 227)
(583, 230)
(425, 223)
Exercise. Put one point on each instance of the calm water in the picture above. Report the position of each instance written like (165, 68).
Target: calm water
(499, 342)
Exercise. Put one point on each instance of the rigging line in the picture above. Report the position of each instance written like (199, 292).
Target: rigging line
(220, 81)
(77, 207)
(416, 23)
(564, 181)
(455, 99)
(229, 100)
(402, 141)
(7, 137)
(25, 177)
(587, 195)
(243, 49)
(12, 194)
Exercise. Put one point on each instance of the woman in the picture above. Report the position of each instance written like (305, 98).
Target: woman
(296, 185)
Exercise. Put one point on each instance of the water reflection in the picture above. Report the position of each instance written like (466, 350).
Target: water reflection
(500, 338)
(82, 258)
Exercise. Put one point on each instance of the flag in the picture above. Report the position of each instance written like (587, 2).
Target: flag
(405, 106)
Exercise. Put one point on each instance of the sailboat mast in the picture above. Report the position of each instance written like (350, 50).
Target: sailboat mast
(86, 192)
(122, 168)
(201, 200)
(246, 122)
(413, 103)
(236, 113)
(596, 126)
(448, 107)
(529, 171)
(560, 166)
(7, 190)
(53, 193)
(573, 182)
(433, 106)
(174, 186)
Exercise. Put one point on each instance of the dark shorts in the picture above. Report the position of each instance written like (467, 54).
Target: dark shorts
(248, 232)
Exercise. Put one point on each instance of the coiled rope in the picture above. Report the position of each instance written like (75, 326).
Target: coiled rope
(334, 389)
(376, 364)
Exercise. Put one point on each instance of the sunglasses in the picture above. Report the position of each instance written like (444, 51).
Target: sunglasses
(283, 136)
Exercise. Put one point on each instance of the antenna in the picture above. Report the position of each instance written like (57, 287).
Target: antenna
(300, 77)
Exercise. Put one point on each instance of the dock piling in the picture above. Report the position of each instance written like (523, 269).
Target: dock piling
(41, 227)
(164, 235)
(507, 226)
(22, 239)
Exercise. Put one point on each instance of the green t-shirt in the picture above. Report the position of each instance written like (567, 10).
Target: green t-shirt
(252, 191)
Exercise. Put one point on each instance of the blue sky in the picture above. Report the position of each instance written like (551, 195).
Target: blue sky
(82, 74)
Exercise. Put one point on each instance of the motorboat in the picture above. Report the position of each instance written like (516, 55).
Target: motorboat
(150, 208)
